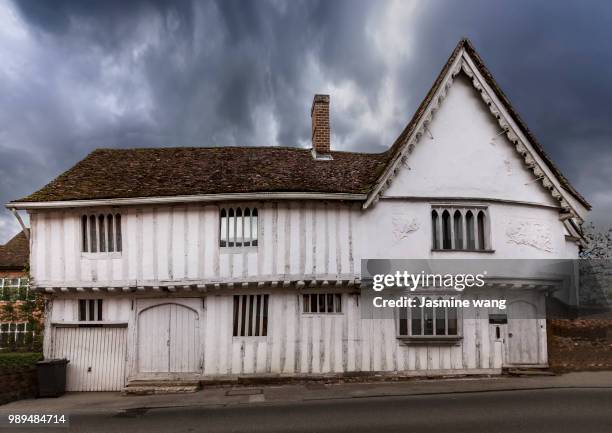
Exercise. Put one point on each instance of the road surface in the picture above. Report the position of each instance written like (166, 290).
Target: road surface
(587, 410)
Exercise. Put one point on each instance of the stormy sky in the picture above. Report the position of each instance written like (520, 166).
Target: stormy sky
(77, 75)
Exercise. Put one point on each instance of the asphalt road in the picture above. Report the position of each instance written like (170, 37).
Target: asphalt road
(549, 410)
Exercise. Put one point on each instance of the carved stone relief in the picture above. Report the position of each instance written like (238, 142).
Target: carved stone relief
(403, 225)
(534, 233)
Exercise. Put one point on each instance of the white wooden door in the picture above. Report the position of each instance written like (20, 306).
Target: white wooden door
(522, 343)
(168, 340)
(97, 357)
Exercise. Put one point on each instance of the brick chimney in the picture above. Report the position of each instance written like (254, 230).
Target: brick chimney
(320, 125)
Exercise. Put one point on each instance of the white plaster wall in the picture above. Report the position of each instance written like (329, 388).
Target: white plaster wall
(403, 229)
(466, 156)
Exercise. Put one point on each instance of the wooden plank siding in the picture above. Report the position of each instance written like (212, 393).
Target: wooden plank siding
(296, 343)
(178, 243)
(299, 343)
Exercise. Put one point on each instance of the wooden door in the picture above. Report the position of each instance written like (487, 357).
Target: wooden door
(498, 333)
(168, 339)
(522, 343)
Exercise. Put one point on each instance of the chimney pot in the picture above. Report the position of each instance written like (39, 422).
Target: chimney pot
(320, 124)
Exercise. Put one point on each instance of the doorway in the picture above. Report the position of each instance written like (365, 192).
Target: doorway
(168, 339)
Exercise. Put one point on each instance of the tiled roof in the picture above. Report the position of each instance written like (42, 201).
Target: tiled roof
(14, 255)
(158, 172)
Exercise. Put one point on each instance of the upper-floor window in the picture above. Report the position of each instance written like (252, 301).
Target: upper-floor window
(238, 227)
(460, 228)
(101, 233)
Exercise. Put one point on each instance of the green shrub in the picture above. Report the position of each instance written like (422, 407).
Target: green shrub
(13, 360)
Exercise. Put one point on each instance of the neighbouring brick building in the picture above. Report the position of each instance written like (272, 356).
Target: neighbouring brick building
(18, 312)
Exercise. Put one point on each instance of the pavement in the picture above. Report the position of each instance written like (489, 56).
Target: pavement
(113, 403)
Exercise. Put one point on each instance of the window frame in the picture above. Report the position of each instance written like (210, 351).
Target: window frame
(261, 318)
(254, 231)
(118, 236)
(439, 239)
(337, 303)
(434, 338)
(15, 292)
(95, 305)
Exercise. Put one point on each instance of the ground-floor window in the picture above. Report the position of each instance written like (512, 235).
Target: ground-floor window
(428, 320)
(319, 303)
(90, 310)
(250, 315)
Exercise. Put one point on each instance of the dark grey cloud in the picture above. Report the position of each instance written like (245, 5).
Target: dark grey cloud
(77, 75)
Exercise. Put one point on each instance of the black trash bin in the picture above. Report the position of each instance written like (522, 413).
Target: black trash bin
(51, 377)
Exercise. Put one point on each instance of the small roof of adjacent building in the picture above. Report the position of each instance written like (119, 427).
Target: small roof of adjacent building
(15, 254)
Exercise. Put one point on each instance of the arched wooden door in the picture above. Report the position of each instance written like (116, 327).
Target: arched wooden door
(522, 343)
(168, 339)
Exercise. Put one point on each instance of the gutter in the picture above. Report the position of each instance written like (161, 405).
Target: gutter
(202, 198)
